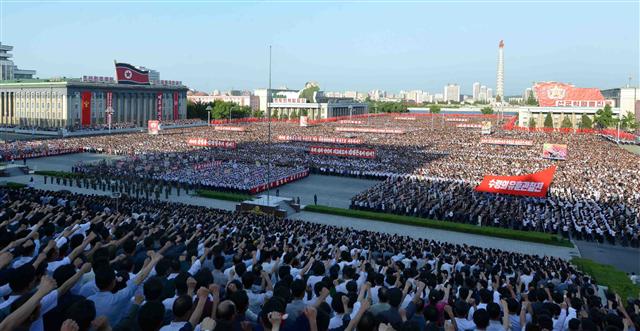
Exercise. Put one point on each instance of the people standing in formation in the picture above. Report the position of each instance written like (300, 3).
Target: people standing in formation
(430, 170)
(74, 262)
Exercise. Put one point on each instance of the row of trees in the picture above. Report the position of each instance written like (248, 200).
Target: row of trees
(220, 110)
(604, 118)
(386, 106)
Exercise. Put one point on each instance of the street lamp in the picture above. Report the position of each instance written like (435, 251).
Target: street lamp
(350, 111)
(209, 115)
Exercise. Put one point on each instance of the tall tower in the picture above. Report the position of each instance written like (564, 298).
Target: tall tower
(500, 77)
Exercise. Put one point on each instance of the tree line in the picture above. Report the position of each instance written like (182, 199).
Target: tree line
(603, 119)
(220, 110)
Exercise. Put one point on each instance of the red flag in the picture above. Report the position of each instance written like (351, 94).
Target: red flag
(86, 108)
(534, 185)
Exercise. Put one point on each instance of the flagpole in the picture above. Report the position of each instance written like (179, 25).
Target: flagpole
(269, 134)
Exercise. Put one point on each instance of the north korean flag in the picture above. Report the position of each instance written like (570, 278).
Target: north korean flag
(128, 74)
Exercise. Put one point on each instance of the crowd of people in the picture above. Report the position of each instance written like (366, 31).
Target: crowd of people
(196, 169)
(612, 221)
(78, 262)
(593, 196)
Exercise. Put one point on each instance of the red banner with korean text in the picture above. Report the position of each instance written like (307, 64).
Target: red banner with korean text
(231, 128)
(109, 111)
(86, 109)
(159, 106)
(533, 185)
(346, 152)
(175, 106)
(370, 130)
(201, 142)
(506, 141)
(320, 139)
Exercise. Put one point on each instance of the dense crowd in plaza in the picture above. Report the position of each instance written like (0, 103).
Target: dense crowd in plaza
(79, 262)
(429, 171)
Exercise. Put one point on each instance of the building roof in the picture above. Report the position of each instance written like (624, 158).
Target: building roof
(550, 92)
(77, 82)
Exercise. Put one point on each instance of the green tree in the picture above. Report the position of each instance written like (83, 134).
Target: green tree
(604, 118)
(257, 113)
(487, 110)
(274, 113)
(629, 122)
(585, 122)
(566, 123)
(197, 110)
(532, 122)
(304, 112)
(294, 114)
(308, 93)
(548, 121)
(531, 100)
(434, 109)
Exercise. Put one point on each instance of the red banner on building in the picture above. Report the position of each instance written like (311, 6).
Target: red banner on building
(231, 128)
(346, 152)
(320, 139)
(175, 106)
(159, 106)
(109, 99)
(556, 94)
(86, 109)
(508, 142)
(534, 185)
(369, 130)
(212, 143)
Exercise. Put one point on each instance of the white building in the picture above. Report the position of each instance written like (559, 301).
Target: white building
(8, 70)
(452, 92)
(476, 91)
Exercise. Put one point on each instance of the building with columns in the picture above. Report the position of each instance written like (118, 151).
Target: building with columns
(69, 103)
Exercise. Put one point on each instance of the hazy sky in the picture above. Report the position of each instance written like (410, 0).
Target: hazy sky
(342, 45)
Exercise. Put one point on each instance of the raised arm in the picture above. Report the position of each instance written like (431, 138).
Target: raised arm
(16, 318)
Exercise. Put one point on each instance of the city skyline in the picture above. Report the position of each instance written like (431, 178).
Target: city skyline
(223, 46)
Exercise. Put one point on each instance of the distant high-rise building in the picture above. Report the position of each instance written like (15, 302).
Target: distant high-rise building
(452, 92)
(489, 94)
(526, 94)
(438, 97)
(476, 91)
(482, 95)
(500, 76)
(8, 70)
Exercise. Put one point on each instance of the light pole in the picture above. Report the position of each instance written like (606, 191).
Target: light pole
(350, 112)
(209, 115)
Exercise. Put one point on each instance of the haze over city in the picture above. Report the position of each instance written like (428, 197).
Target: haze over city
(343, 46)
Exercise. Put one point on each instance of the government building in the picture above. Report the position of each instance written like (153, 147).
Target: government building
(73, 103)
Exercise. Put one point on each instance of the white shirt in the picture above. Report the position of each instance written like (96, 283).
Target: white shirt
(47, 303)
